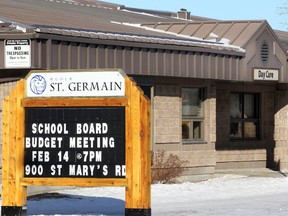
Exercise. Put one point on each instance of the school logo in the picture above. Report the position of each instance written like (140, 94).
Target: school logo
(38, 84)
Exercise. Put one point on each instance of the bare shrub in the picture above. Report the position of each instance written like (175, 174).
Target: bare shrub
(166, 167)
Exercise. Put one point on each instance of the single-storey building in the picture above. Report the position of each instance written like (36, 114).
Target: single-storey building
(219, 89)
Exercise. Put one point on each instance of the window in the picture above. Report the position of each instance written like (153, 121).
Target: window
(244, 116)
(192, 114)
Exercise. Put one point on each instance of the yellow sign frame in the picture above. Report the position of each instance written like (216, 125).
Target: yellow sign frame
(138, 152)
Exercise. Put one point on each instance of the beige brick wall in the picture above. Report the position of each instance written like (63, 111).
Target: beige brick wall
(167, 114)
(281, 130)
(201, 157)
(231, 159)
(210, 115)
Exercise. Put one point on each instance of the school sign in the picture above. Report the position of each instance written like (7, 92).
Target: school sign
(76, 128)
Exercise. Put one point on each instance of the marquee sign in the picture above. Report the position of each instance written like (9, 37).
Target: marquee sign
(76, 84)
(76, 128)
(60, 144)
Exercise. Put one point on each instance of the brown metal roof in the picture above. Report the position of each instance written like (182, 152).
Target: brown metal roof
(283, 37)
(102, 20)
(75, 34)
(84, 14)
(237, 32)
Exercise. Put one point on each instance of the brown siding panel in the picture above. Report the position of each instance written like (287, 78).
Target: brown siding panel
(227, 71)
(234, 71)
(176, 63)
(110, 58)
(152, 62)
(212, 68)
(43, 50)
(64, 55)
(160, 63)
(134, 60)
(101, 56)
(206, 66)
(128, 60)
(198, 63)
(220, 67)
(183, 64)
(73, 55)
(190, 64)
(55, 56)
(145, 61)
(92, 56)
(35, 53)
(82, 57)
(168, 62)
(119, 61)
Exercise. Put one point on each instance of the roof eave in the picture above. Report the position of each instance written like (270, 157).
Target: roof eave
(140, 44)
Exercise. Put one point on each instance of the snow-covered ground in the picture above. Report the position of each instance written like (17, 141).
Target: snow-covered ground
(225, 195)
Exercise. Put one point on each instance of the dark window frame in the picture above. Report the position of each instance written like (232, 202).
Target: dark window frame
(243, 120)
(195, 122)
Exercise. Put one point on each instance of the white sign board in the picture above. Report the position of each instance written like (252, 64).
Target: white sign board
(17, 53)
(265, 74)
(75, 84)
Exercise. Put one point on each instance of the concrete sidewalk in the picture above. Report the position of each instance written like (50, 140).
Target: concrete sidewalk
(259, 172)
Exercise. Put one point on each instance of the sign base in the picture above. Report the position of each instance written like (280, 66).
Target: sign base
(137, 212)
(14, 210)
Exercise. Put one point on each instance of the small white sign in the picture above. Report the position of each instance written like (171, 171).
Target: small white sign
(75, 84)
(17, 53)
(266, 74)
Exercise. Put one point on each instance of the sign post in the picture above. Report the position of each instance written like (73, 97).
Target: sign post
(79, 128)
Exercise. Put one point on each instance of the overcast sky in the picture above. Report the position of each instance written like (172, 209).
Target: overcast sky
(221, 9)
